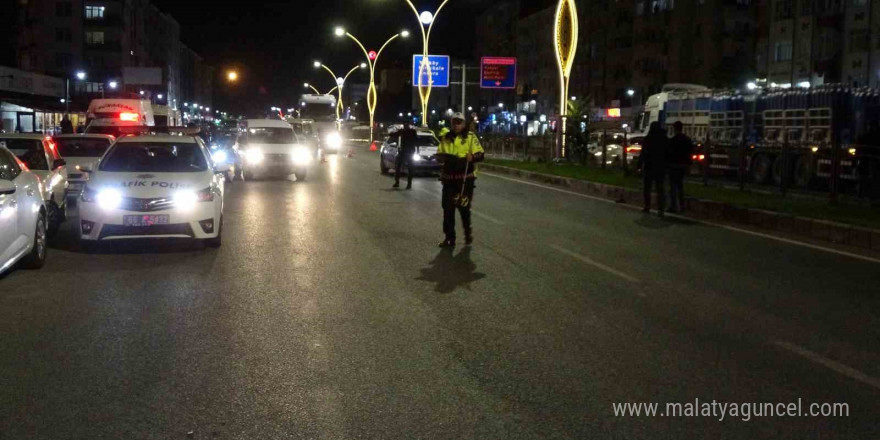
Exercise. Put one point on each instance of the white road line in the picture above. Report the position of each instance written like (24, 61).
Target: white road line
(828, 363)
(491, 219)
(705, 222)
(586, 260)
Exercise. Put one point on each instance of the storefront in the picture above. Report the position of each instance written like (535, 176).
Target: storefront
(32, 103)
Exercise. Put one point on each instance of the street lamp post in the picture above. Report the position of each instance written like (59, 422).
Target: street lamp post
(80, 75)
(425, 18)
(340, 82)
(565, 37)
(372, 59)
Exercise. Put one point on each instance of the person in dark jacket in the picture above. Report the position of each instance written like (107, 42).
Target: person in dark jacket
(406, 147)
(66, 126)
(652, 165)
(678, 161)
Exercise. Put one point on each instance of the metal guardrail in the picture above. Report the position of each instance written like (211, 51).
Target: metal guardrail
(852, 171)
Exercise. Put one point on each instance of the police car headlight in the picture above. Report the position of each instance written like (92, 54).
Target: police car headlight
(219, 157)
(334, 140)
(416, 157)
(301, 156)
(109, 199)
(254, 156)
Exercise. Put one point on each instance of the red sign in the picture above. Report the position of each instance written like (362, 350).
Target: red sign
(498, 73)
(613, 113)
(372, 55)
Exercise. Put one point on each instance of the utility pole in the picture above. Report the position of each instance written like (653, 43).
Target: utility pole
(463, 83)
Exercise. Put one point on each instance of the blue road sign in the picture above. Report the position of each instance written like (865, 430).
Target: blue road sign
(439, 65)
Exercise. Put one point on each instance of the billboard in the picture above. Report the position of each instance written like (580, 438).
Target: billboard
(142, 76)
(498, 73)
(439, 66)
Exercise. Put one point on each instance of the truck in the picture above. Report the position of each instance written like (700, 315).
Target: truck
(321, 109)
(776, 134)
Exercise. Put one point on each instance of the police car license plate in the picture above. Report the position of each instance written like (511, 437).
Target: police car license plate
(145, 220)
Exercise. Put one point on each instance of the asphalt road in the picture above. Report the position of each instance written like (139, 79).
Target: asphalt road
(330, 314)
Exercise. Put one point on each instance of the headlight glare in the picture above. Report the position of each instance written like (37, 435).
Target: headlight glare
(109, 199)
(416, 157)
(254, 156)
(219, 157)
(185, 199)
(334, 140)
(301, 156)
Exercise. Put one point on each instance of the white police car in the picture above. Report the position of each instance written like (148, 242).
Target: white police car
(160, 186)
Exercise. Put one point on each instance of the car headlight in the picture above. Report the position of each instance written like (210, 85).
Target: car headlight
(186, 199)
(219, 157)
(254, 156)
(301, 156)
(109, 199)
(334, 140)
(416, 157)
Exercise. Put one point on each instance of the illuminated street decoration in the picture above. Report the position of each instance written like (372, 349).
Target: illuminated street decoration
(565, 36)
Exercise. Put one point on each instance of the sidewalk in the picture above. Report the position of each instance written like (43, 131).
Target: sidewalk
(856, 226)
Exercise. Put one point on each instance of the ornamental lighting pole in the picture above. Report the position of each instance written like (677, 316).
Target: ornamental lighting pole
(340, 82)
(426, 18)
(565, 36)
(372, 59)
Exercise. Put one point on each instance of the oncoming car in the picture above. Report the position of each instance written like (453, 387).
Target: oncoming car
(154, 187)
(271, 148)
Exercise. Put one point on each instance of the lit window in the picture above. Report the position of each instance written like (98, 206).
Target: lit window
(94, 12)
(95, 37)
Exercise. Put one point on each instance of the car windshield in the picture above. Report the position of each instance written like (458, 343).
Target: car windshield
(155, 157)
(84, 147)
(29, 151)
(270, 135)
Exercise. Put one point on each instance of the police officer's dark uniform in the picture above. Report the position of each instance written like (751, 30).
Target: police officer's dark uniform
(678, 161)
(406, 147)
(652, 162)
(459, 151)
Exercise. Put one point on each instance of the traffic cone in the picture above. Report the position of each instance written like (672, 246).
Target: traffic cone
(373, 146)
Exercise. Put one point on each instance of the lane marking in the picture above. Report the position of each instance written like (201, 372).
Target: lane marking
(587, 260)
(847, 371)
(705, 222)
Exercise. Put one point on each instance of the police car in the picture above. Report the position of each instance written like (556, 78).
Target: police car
(159, 186)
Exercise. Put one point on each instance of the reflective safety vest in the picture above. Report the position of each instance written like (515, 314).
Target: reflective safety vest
(459, 147)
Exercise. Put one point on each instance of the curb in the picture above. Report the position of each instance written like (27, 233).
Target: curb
(832, 232)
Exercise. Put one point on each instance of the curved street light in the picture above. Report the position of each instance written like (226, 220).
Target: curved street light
(372, 59)
(340, 82)
(425, 18)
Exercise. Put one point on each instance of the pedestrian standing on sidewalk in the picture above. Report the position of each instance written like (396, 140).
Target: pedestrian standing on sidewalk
(652, 165)
(680, 155)
(459, 151)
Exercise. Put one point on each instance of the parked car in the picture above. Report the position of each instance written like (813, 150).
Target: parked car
(40, 155)
(23, 214)
(424, 159)
(81, 151)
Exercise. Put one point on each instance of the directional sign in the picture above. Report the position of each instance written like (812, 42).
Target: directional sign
(498, 73)
(439, 67)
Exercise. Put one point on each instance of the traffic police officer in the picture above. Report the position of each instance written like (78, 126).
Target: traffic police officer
(459, 151)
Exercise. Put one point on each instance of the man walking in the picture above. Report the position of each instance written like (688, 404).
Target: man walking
(681, 151)
(406, 147)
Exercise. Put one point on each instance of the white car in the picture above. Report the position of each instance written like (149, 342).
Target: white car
(271, 148)
(23, 215)
(40, 155)
(81, 151)
(159, 186)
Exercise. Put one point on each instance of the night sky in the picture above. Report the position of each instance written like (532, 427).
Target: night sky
(273, 43)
